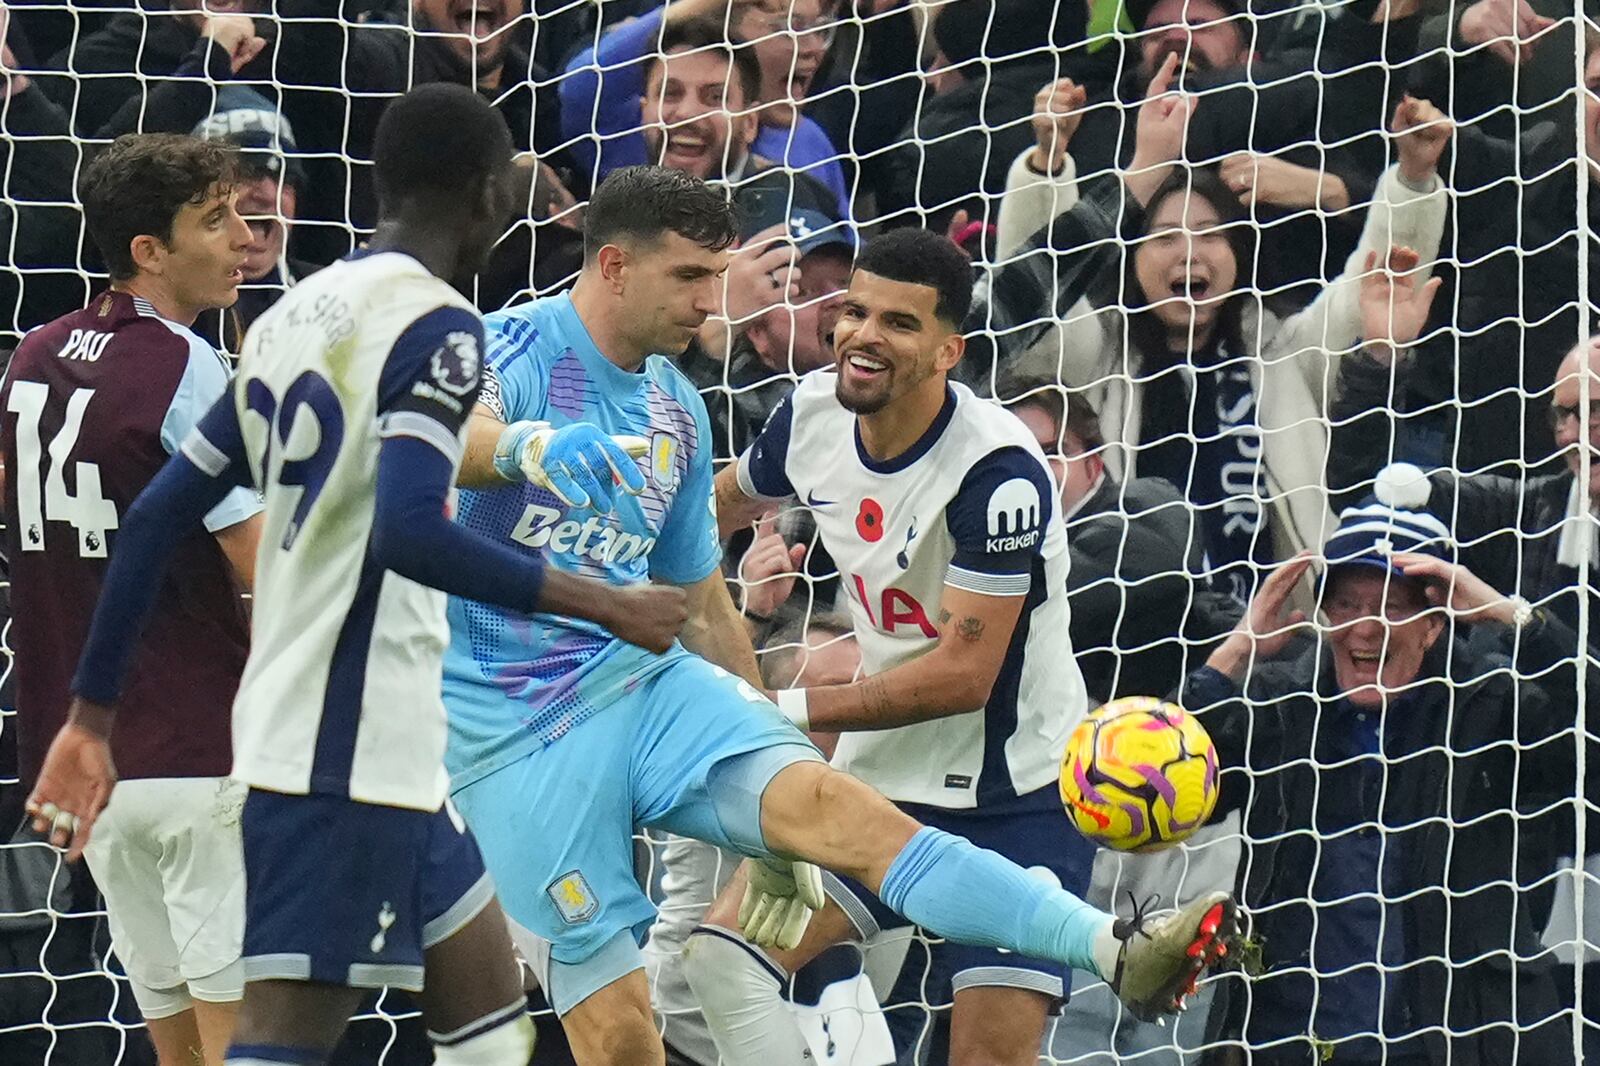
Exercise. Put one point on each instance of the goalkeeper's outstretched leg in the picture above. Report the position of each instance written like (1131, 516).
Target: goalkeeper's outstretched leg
(955, 890)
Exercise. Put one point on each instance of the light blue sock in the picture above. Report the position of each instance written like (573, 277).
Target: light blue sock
(951, 887)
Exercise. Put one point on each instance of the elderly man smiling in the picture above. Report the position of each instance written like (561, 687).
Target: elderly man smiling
(1396, 772)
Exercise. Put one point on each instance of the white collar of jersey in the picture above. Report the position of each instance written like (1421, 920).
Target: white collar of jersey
(923, 445)
(144, 307)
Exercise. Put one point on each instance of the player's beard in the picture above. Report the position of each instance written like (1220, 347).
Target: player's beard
(868, 403)
(861, 405)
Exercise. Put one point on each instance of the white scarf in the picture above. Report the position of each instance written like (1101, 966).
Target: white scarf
(1578, 542)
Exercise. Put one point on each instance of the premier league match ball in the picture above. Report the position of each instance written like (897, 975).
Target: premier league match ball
(1139, 775)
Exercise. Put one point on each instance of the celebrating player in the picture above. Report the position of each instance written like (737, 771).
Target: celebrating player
(348, 414)
(108, 393)
(941, 515)
(563, 740)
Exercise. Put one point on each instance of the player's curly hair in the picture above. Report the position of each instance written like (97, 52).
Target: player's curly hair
(646, 202)
(138, 184)
(922, 257)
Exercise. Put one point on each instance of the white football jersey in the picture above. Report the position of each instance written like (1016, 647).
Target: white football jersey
(972, 505)
(341, 691)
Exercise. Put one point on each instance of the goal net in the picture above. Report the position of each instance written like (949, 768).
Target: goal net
(1205, 236)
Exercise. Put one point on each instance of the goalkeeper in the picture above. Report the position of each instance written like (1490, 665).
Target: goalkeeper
(563, 741)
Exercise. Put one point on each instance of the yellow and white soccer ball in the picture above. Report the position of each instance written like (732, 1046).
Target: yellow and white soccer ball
(1139, 774)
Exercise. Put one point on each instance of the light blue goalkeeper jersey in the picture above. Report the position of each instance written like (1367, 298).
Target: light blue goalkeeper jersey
(513, 681)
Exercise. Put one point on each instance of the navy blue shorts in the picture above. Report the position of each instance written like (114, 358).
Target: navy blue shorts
(351, 893)
(1033, 832)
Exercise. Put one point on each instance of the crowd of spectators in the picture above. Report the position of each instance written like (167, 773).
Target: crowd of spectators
(1259, 278)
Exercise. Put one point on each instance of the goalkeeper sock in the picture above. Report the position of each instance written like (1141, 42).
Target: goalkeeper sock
(739, 993)
(953, 888)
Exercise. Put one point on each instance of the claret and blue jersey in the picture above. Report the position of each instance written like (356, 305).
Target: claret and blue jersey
(515, 681)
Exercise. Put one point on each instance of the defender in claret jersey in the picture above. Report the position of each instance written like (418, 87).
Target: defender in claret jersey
(348, 414)
(93, 404)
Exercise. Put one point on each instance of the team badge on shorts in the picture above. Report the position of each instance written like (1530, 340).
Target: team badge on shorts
(664, 460)
(573, 898)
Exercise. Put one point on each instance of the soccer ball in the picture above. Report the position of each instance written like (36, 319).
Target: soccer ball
(1139, 775)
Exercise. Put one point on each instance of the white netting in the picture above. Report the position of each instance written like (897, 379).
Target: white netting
(1230, 438)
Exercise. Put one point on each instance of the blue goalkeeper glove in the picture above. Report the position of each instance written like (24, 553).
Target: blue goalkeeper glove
(579, 463)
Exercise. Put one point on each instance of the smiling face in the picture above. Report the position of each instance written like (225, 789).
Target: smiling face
(1185, 266)
(670, 287)
(478, 28)
(689, 110)
(799, 335)
(790, 39)
(1199, 32)
(1381, 630)
(888, 342)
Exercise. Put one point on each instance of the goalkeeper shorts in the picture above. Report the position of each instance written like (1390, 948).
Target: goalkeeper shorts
(1032, 832)
(689, 751)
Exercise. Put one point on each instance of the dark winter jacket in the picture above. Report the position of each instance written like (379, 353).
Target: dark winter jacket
(39, 227)
(960, 143)
(1474, 744)
(1512, 308)
(352, 72)
(1134, 551)
(1508, 527)
(161, 47)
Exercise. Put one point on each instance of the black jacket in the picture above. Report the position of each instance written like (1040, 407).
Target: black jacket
(345, 77)
(1508, 313)
(1132, 591)
(156, 46)
(1452, 784)
(43, 279)
(959, 145)
(1508, 527)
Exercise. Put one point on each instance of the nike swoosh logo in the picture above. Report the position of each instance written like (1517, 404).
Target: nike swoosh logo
(812, 501)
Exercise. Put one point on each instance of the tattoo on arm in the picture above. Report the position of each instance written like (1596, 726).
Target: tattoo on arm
(874, 697)
(944, 616)
(970, 629)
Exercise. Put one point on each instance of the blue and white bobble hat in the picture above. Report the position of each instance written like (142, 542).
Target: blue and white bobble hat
(1371, 533)
(248, 121)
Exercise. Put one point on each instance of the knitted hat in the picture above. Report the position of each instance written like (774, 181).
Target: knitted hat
(265, 140)
(1368, 535)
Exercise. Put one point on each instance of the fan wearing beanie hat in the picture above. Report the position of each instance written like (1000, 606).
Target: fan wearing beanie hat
(271, 181)
(1402, 716)
(1386, 596)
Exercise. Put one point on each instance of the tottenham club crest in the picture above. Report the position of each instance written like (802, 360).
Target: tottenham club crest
(456, 363)
(664, 461)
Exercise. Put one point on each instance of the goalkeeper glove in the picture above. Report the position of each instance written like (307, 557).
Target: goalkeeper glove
(579, 463)
(779, 899)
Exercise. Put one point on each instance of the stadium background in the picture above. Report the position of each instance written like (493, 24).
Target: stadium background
(914, 112)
